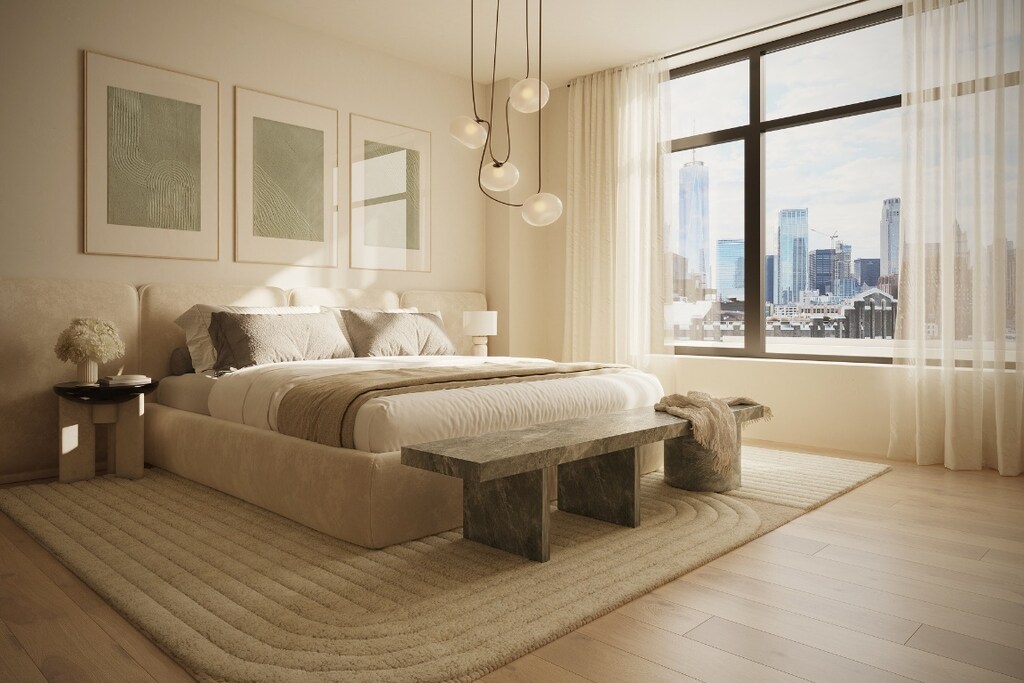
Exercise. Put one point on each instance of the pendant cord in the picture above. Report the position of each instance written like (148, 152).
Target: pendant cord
(488, 149)
(472, 59)
(540, 82)
(494, 67)
(527, 39)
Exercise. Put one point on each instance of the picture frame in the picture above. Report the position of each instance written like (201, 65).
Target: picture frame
(152, 170)
(389, 195)
(286, 196)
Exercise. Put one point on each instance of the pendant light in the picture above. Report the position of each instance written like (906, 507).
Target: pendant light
(528, 96)
(499, 177)
(468, 132)
(524, 96)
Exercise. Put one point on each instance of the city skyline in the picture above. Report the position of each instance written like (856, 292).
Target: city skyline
(841, 169)
(798, 269)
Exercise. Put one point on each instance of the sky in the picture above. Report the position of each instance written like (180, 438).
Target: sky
(839, 170)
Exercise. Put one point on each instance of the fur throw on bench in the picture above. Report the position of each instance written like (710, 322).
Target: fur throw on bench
(714, 425)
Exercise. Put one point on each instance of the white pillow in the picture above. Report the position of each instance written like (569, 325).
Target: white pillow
(196, 324)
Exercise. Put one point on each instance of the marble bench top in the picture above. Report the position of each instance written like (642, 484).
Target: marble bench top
(484, 457)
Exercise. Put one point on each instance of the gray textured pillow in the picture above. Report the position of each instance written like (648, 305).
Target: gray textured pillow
(181, 361)
(241, 340)
(384, 333)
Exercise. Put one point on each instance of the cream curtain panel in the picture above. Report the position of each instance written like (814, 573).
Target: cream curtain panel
(614, 245)
(959, 398)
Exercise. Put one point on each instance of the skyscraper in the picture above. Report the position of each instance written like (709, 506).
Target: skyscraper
(889, 237)
(729, 262)
(821, 270)
(694, 224)
(769, 278)
(843, 283)
(792, 264)
(866, 271)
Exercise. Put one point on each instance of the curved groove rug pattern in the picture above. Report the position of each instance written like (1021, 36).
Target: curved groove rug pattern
(236, 593)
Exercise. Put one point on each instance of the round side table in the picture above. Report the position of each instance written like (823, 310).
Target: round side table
(82, 407)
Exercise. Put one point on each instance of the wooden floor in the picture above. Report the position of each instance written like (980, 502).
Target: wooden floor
(918, 575)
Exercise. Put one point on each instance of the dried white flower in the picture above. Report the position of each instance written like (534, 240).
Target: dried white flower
(89, 339)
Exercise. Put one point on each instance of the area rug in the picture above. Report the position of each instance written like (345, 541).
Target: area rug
(235, 593)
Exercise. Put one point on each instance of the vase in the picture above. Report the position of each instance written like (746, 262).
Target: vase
(88, 372)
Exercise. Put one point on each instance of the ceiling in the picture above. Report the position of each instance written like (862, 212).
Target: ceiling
(580, 36)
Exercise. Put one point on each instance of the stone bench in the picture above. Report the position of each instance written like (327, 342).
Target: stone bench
(505, 500)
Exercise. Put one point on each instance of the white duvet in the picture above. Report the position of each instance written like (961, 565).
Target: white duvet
(252, 395)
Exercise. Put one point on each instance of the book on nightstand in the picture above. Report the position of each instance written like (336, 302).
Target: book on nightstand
(124, 380)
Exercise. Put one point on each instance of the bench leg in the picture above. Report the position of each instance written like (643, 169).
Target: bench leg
(688, 466)
(605, 487)
(511, 514)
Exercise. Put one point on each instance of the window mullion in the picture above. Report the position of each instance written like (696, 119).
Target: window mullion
(753, 219)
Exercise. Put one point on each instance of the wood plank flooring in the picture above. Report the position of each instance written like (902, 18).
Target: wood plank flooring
(918, 575)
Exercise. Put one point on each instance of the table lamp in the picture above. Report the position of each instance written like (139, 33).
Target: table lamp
(479, 325)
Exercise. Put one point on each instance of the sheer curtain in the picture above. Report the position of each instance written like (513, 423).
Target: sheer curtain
(960, 393)
(614, 252)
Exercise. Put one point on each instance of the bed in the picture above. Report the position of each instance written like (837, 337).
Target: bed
(224, 431)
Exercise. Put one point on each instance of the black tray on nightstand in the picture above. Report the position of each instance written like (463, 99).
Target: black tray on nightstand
(101, 393)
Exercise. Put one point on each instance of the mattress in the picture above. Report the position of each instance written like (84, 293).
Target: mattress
(189, 392)
(251, 396)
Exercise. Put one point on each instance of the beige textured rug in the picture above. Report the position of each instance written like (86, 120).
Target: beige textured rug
(239, 594)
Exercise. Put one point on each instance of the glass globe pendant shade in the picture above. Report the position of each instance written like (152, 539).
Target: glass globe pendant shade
(529, 95)
(542, 208)
(498, 178)
(468, 132)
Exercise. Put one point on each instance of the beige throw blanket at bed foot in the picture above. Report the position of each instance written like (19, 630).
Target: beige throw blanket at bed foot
(324, 409)
(714, 425)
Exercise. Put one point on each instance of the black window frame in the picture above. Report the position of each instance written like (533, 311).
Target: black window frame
(752, 134)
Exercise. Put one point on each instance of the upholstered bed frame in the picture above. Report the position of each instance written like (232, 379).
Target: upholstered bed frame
(369, 499)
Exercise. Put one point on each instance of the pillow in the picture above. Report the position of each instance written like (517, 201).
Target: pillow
(196, 324)
(337, 311)
(241, 339)
(181, 362)
(387, 333)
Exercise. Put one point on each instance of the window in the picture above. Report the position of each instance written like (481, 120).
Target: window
(782, 209)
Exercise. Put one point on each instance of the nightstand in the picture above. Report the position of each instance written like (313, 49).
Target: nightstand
(82, 407)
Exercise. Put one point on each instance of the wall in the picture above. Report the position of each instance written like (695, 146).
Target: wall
(837, 406)
(525, 263)
(41, 232)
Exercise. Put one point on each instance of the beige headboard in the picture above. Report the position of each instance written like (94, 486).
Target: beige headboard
(161, 304)
(343, 298)
(451, 306)
(32, 314)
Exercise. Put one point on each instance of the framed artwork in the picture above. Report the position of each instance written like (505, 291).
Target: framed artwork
(151, 161)
(390, 196)
(286, 159)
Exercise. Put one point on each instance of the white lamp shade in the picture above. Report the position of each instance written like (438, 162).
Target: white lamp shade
(468, 132)
(529, 95)
(542, 208)
(480, 323)
(499, 178)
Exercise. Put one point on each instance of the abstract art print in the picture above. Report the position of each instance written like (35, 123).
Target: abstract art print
(151, 161)
(286, 156)
(390, 196)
